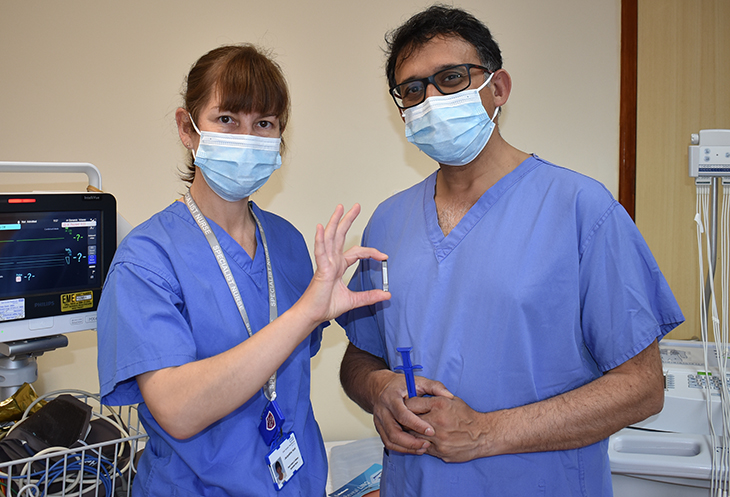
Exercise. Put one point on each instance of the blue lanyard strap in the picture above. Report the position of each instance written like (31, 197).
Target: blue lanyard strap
(270, 386)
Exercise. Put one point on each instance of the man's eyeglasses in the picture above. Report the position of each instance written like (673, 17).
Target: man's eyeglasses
(447, 81)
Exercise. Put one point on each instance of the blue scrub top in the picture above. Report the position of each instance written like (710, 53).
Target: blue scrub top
(543, 286)
(166, 303)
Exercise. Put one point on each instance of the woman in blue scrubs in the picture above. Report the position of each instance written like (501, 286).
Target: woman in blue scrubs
(211, 311)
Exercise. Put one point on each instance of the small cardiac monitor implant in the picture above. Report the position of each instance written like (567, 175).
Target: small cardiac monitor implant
(384, 272)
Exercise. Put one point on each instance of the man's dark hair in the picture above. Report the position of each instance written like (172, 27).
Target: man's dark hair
(440, 20)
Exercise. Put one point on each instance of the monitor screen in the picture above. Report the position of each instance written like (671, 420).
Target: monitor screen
(55, 251)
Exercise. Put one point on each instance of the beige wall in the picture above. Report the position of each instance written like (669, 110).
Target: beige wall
(90, 81)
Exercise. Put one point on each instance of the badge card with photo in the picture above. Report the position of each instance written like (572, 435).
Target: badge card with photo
(284, 460)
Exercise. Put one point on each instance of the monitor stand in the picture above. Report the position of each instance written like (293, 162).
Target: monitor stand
(18, 363)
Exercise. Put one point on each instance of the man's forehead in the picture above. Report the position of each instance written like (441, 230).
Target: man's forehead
(438, 53)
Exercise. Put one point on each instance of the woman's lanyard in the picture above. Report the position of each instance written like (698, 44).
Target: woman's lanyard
(270, 386)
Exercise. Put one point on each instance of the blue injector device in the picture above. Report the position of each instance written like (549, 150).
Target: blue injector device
(407, 369)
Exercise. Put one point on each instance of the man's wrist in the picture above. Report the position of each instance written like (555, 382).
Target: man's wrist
(378, 381)
(490, 441)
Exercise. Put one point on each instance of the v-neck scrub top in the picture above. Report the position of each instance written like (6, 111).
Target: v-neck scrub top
(544, 285)
(166, 303)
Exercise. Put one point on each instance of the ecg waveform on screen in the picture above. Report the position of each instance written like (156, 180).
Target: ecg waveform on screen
(22, 262)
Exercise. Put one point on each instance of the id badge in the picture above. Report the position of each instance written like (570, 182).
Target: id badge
(272, 422)
(284, 460)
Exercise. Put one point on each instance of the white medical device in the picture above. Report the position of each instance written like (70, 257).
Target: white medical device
(709, 154)
(674, 453)
(687, 383)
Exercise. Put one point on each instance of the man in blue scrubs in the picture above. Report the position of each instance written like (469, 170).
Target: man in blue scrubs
(524, 289)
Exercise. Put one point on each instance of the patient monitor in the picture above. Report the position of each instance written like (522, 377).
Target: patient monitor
(55, 252)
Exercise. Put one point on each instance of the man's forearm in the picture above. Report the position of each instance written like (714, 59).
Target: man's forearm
(576, 419)
(627, 394)
(355, 376)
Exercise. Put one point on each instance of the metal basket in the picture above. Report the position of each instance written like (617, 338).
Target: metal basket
(103, 466)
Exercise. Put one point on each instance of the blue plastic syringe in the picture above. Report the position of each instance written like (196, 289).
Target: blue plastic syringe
(407, 369)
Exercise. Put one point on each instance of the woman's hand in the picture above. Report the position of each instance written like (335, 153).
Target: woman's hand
(327, 295)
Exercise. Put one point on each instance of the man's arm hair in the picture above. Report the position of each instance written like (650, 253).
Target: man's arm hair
(354, 370)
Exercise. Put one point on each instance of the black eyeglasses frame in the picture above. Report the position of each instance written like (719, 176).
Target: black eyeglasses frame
(432, 80)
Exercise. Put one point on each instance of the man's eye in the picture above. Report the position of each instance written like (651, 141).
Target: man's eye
(412, 89)
(451, 79)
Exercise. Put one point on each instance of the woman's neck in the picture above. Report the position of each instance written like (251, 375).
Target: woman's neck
(233, 217)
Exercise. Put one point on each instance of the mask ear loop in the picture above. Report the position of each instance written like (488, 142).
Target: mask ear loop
(496, 110)
(486, 82)
(193, 123)
(196, 130)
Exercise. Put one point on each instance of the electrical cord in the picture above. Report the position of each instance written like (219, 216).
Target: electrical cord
(720, 469)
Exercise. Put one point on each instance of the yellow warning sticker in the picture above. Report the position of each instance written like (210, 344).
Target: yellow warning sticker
(76, 301)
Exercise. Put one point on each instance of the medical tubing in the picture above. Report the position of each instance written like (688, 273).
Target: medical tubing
(711, 239)
(711, 233)
(715, 229)
(725, 398)
(701, 220)
(723, 349)
(79, 465)
(27, 488)
(720, 345)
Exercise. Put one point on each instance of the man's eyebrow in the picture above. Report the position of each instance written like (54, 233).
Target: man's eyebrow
(438, 69)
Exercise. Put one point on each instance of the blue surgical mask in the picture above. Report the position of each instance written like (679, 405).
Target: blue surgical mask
(235, 166)
(451, 129)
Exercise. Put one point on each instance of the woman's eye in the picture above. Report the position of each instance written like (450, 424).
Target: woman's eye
(226, 119)
(268, 124)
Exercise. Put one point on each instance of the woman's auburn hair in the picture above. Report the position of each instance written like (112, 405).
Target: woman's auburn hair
(244, 79)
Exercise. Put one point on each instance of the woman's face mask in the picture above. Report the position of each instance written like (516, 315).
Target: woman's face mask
(234, 165)
(451, 129)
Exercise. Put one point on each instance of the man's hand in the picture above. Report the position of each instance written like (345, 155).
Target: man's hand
(396, 424)
(460, 433)
(378, 390)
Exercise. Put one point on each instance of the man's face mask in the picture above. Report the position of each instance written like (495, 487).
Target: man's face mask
(451, 129)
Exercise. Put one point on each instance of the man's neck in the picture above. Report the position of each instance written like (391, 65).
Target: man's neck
(459, 187)
(494, 162)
